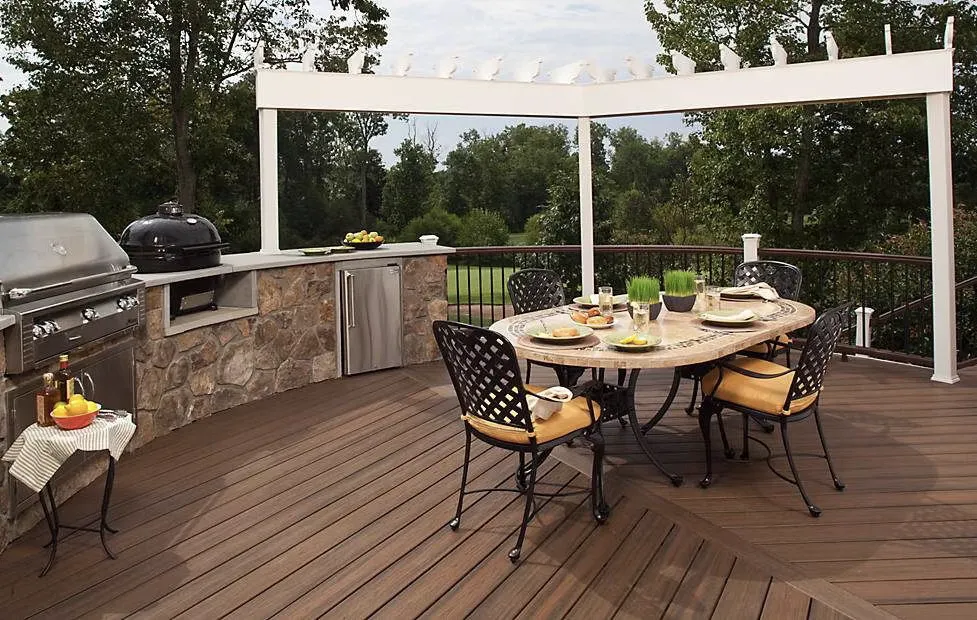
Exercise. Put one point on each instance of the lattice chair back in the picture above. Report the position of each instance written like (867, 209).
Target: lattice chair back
(485, 372)
(784, 277)
(822, 338)
(535, 289)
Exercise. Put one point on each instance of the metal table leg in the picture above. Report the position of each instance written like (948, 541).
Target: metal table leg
(630, 411)
(55, 526)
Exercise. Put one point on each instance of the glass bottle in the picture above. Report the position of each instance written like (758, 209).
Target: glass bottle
(64, 379)
(47, 396)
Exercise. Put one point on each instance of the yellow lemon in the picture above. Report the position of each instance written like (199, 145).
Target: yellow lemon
(628, 340)
(640, 341)
(77, 407)
(60, 411)
(60, 403)
(76, 397)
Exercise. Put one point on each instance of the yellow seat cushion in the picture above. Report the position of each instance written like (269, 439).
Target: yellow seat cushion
(573, 416)
(763, 348)
(766, 395)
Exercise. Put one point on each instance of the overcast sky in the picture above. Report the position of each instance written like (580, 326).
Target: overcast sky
(559, 31)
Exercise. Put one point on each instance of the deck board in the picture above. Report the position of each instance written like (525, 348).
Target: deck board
(293, 507)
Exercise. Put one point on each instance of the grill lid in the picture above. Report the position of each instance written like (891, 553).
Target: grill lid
(170, 227)
(53, 253)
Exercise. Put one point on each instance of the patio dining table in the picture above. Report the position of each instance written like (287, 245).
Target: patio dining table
(686, 341)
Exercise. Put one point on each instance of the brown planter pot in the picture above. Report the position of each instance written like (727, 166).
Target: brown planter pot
(679, 304)
(656, 309)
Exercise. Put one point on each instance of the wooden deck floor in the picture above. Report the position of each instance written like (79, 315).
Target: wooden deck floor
(332, 501)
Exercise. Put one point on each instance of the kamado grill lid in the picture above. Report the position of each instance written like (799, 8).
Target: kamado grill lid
(172, 240)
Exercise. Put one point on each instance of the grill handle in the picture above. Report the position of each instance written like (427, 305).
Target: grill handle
(21, 293)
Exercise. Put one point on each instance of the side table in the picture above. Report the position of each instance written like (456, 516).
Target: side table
(39, 452)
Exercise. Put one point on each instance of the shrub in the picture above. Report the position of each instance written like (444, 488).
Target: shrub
(437, 221)
(481, 227)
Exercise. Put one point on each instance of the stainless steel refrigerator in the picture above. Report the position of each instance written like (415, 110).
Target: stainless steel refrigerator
(372, 319)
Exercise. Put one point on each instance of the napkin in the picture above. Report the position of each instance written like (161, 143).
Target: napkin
(543, 409)
(760, 289)
(742, 315)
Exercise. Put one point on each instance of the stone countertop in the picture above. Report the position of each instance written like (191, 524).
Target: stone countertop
(253, 261)
(6, 320)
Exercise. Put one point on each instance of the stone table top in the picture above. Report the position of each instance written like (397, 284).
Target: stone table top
(686, 339)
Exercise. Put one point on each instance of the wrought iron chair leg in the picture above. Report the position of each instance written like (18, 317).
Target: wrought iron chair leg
(454, 523)
(514, 553)
(529, 370)
(705, 413)
(727, 451)
(811, 508)
(787, 353)
(521, 473)
(600, 508)
(839, 485)
(622, 375)
(695, 392)
(767, 426)
(745, 453)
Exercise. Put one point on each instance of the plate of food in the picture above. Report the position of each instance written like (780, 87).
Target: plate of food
(633, 342)
(341, 249)
(315, 251)
(729, 317)
(559, 334)
(592, 301)
(363, 240)
(592, 318)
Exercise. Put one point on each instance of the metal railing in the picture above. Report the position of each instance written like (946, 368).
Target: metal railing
(897, 288)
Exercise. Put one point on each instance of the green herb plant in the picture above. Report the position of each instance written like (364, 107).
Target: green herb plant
(679, 283)
(644, 288)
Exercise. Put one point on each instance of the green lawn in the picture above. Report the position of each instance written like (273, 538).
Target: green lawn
(518, 238)
(487, 280)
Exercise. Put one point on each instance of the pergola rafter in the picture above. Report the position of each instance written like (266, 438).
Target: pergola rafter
(927, 74)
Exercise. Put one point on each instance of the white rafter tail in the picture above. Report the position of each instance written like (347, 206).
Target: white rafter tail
(637, 68)
(529, 71)
(402, 65)
(778, 52)
(682, 63)
(730, 59)
(308, 59)
(354, 64)
(948, 34)
(831, 45)
(888, 40)
(259, 56)
(599, 74)
(489, 69)
(447, 67)
(567, 74)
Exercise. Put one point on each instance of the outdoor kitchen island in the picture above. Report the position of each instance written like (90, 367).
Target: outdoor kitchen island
(277, 327)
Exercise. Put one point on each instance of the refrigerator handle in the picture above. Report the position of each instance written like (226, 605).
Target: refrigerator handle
(350, 313)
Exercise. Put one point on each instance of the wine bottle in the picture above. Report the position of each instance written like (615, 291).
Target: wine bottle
(64, 379)
(47, 397)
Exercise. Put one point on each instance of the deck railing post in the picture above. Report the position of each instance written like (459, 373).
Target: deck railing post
(863, 326)
(585, 164)
(751, 247)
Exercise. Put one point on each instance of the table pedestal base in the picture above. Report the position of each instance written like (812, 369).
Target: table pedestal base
(55, 526)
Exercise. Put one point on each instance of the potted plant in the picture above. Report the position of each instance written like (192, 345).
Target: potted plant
(645, 289)
(679, 291)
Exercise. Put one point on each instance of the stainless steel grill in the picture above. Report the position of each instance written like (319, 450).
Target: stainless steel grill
(67, 283)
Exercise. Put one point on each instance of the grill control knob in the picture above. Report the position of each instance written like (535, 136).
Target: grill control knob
(38, 331)
(89, 314)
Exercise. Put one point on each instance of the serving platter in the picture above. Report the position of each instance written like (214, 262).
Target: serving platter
(546, 334)
(728, 317)
(615, 341)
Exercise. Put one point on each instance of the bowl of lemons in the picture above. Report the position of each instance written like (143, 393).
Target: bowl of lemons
(363, 240)
(75, 414)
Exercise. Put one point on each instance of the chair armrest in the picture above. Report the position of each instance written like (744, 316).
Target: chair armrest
(755, 375)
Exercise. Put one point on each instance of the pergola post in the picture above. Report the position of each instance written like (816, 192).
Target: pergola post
(268, 178)
(585, 165)
(941, 227)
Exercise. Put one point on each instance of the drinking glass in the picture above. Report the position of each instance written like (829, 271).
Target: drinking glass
(605, 300)
(713, 298)
(641, 316)
(700, 292)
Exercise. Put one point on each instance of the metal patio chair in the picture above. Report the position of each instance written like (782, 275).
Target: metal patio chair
(531, 290)
(763, 390)
(485, 372)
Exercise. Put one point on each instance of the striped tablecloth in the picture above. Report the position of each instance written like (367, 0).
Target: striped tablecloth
(40, 450)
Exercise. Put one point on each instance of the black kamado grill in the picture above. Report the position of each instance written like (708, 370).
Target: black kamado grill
(173, 240)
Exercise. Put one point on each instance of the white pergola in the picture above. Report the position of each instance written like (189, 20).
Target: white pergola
(926, 74)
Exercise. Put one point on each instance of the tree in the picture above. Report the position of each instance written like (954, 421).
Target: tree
(481, 227)
(406, 194)
(841, 175)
